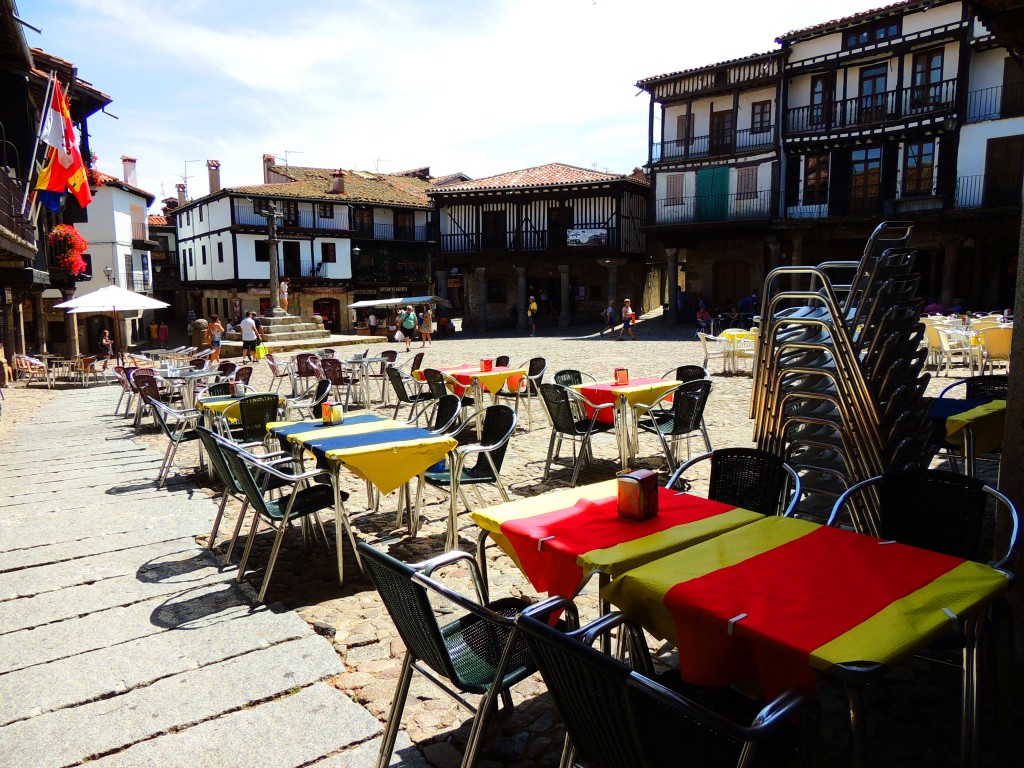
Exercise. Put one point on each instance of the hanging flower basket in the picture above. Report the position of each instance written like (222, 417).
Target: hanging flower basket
(67, 247)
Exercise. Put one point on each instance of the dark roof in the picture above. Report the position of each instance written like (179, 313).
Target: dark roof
(83, 98)
(1006, 20)
(858, 18)
(360, 187)
(550, 175)
(707, 67)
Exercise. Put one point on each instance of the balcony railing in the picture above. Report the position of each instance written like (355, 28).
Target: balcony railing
(397, 232)
(725, 143)
(970, 191)
(11, 218)
(532, 240)
(139, 280)
(140, 230)
(702, 208)
(995, 103)
(251, 216)
(873, 110)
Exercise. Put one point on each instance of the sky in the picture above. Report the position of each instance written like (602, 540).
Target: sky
(477, 86)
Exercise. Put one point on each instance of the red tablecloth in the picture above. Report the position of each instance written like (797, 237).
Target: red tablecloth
(608, 391)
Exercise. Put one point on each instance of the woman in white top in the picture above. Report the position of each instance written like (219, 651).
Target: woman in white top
(282, 293)
(628, 317)
(426, 327)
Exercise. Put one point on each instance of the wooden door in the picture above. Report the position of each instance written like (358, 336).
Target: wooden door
(493, 228)
(1004, 164)
(291, 263)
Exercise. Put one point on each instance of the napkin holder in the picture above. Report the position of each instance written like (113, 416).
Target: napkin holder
(638, 494)
(486, 364)
(333, 413)
(621, 376)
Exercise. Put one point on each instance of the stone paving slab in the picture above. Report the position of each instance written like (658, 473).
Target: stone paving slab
(285, 733)
(69, 736)
(188, 610)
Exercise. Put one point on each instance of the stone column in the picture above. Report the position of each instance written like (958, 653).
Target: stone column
(481, 295)
(671, 285)
(950, 260)
(18, 314)
(40, 321)
(442, 283)
(521, 301)
(564, 317)
(613, 281)
(774, 252)
(70, 323)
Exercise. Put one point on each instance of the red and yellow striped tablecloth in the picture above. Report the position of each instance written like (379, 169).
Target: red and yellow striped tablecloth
(559, 538)
(775, 600)
(491, 380)
(639, 392)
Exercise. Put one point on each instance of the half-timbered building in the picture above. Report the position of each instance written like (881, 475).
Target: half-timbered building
(571, 237)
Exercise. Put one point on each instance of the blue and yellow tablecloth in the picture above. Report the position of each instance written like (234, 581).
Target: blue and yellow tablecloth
(386, 452)
(986, 419)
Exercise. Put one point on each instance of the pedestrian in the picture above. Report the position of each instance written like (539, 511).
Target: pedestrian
(165, 334)
(214, 334)
(426, 328)
(628, 317)
(249, 339)
(407, 325)
(154, 333)
(106, 348)
(259, 325)
(609, 318)
(282, 294)
(531, 316)
(372, 322)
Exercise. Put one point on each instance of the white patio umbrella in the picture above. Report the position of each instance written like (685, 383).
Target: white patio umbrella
(113, 299)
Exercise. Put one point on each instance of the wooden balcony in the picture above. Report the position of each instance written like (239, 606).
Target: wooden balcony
(996, 103)
(873, 111)
(520, 241)
(715, 145)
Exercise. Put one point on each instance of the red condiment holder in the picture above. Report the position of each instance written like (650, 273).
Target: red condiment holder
(486, 364)
(621, 376)
(638, 494)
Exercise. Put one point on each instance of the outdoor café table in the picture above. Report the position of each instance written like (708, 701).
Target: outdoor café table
(363, 365)
(385, 453)
(777, 599)
(470, 375)
(734, 339)
(562, 538)
(189, 377)
(975, 426)
(640, 393)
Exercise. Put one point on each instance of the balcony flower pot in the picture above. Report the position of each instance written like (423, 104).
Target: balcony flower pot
(66, 249)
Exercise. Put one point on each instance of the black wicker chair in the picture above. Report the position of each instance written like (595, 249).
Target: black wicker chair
(620, 715)
(499, 422)
(446, 415)
(748, 478)
(683, 419)
(480, 652)
(502, 361)
(687, 373)
(415, 400)
(567, 410)
(570, 377)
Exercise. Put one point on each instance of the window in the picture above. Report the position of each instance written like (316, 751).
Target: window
(262, 250)
(874, 32)
(259, 206)
(328, 253)
(190, 257)
(721, 131)
(674, 189)
(202, 251)
(291, 213)
(405, 225)
(873, 97)
(746, 183)
(200, 209)
(495, 291)
(220, 253)
(325, 210)
(918, 166)
(816, 179)
(761, 116)
(926, 84)
(865, 178)
(820, 97)
(362, 219)
(87, 258)
(684, 129)
(494, 231)
(188, 218)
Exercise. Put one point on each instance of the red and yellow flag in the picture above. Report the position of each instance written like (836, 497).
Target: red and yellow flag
(64, 170)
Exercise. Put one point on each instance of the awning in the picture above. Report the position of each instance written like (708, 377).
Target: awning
(399, 302)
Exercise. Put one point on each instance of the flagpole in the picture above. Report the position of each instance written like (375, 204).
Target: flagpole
(39, 134)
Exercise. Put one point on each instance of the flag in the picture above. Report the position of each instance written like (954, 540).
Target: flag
(64, 170)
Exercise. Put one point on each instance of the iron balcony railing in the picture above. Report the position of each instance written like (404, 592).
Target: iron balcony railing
(399, 232)
(970, 191)
(139, 280)
(722, 143)
(995, 103)
(874, 109)
(525, 240)
(724, 207)
(249, 215)
(11, 217)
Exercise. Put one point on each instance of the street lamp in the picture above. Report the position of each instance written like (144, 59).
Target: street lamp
(109, 272)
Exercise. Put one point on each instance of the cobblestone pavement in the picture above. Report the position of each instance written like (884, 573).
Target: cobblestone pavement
(912, 717)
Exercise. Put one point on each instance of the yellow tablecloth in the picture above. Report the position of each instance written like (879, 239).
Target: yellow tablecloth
(987, 421)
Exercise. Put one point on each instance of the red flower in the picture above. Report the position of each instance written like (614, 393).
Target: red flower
(67, 246)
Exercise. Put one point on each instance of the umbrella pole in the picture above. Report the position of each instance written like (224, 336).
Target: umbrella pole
(117, 342)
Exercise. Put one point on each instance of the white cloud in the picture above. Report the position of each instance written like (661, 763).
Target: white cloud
(481, 86)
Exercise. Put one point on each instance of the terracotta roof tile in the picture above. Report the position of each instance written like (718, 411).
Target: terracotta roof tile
(157, 221)
(114, 181)
(360, 187)
(552, 174)
(845, 21)
(706, 67)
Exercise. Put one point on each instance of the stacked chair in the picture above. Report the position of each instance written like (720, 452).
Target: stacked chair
(838, 389)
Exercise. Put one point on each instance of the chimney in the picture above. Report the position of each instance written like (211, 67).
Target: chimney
(169, 204)
(128, 164)
(338, 182)
(268, 161)
(181, 194)
(213, 168)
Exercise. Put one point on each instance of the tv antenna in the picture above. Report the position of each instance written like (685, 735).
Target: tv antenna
(376, 163)
(290, 152)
